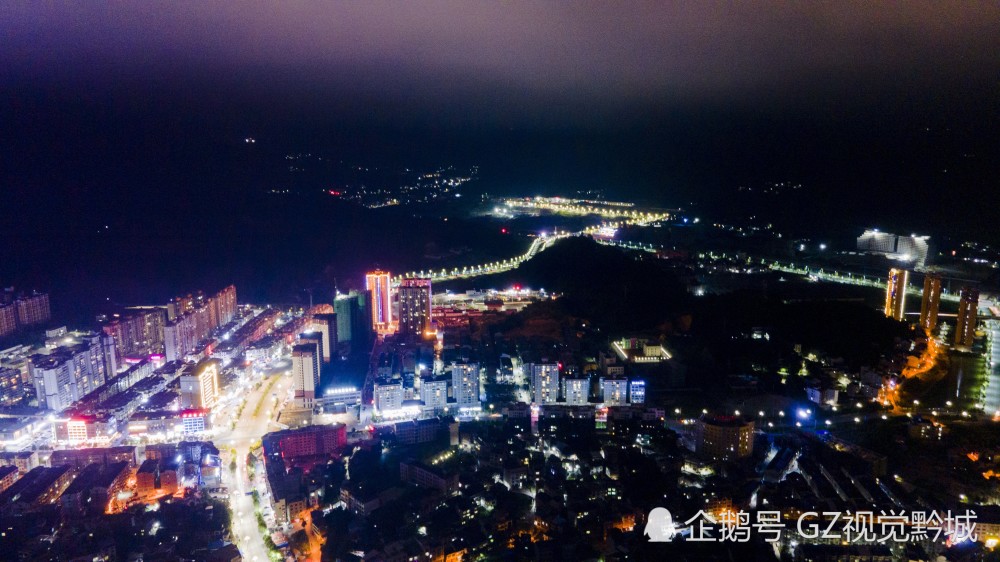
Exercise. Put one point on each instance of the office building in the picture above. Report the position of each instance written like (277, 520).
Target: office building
(414, 306)
(613, 392)
(379, 285)
(200, 389)
(576, 391)
(305, 374)
(544, 379)
(723, 437)
(968, 310)
(465, 384)
(930, 301)
(895, 293)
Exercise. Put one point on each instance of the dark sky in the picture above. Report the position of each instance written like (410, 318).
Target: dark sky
(517, 64)
(863, 102)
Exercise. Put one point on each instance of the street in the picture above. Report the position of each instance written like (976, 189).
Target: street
(252, 424)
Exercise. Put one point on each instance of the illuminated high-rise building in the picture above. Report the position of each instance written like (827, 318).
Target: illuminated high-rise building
(895, 293)
(225, 303)
(965, 328)
(354, 320)
(930, 301)
(305, 373)
(465, 383)
(33, 309)
(69, 373)
(200, 389)
(138, 331)
(377, 282)
(326, 324)
(414, 306)
(8, 319)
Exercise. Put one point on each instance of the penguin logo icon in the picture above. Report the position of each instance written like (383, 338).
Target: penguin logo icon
(660, 525)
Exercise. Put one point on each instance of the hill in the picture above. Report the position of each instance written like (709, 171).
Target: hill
(615, 290)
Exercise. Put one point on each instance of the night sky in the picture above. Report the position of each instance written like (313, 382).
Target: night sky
(886, 112)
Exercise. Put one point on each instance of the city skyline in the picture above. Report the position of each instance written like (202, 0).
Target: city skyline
(453, 282)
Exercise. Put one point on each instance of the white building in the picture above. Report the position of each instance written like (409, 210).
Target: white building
(69, 373)
(544, 381)
(201, 388)
(576, 391)
(823, 396)
(465, 384)
(388, 397)
(434, 393)
(910, 248)
(614, 392)
(305, 374)
(326, 325)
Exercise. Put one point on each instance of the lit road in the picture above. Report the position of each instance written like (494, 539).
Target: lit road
(622, 213)
(991, 402)
(251, 425)
(849, 279)
(537, 245)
